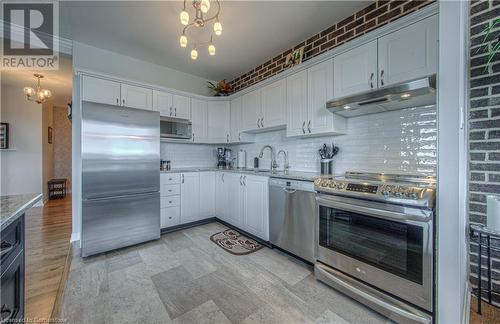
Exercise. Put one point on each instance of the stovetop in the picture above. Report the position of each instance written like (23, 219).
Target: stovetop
(402, 189)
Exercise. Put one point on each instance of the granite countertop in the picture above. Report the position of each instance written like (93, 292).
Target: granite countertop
(292, 175)
(13, 206)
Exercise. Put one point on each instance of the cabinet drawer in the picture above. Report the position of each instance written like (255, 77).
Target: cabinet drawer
(170, 190)
(170, 216)
(12, 240)
(170, 178)
(171, 201)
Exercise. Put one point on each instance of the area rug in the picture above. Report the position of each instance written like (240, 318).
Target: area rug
(235, 243)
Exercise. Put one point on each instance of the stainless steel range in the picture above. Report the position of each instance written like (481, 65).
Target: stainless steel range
(374, 241)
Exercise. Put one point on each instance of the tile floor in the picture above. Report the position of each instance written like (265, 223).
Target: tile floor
(186, 278)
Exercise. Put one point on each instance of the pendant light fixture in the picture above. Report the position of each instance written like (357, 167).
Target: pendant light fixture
(37, 94)
(201, 8)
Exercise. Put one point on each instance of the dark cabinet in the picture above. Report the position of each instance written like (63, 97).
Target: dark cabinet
(12, 272)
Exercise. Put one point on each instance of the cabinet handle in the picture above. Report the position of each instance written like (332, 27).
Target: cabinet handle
(170, 111)
(371, 80)
(222, 177)
(5, 248)
(182, 178)
(241, 178)
(175, 111)
(193, 137)
(309, 127)
(245, 181)
(227, 138)
(258, 119)
(170, 201)
(262, 122)
(382, 77)
(239, 137)
(123, 100)
(303, 126)
(117, 101)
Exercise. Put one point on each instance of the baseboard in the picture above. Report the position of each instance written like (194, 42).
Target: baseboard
(187, 225)
(75, 237)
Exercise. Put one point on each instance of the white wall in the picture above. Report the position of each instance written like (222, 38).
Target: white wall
(396, 141)
(452, 293)
(21, 170)
(103, 61)
(47, 148)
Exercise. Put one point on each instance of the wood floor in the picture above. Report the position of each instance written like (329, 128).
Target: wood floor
(48, 232)
(489, 314)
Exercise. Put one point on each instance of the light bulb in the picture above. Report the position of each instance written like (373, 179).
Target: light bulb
(183, 40)
(46, 93)
(205, 6)
(29, 91)
(211, 49)
(194, 54)
(184, 17)
(218, 28)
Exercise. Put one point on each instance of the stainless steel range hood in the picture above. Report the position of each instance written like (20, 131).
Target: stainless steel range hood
(414, 93)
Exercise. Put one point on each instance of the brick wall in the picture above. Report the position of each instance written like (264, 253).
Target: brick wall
(484, 127)
(375, 15)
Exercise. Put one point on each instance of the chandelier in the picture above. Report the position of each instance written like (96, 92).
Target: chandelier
(38, 94)
(200, 20)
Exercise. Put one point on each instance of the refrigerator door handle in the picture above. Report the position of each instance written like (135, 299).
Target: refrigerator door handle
(119, 197)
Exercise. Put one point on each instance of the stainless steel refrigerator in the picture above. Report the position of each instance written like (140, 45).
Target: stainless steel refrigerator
(120, 177)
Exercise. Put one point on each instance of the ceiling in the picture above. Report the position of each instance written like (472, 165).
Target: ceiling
(253, 31)
(57, 81)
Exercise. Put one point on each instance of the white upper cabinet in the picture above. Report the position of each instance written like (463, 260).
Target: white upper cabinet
(273, 110)
(236, 134)
(251, 109)
(235, 120)
(181, 107)
(408, 53)
(136, 97)
(256, 206)
(100, 90)
(218, 121)
(190, 197)
(199, 121)
(319, 91)
(355, 70)
(296, 91)
(162, 102)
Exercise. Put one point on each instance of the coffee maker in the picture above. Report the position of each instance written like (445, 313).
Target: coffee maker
(224, 157)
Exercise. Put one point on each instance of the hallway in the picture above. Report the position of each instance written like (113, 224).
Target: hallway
(48, 233)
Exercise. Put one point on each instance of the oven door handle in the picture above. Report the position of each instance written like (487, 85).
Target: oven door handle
(380, 213)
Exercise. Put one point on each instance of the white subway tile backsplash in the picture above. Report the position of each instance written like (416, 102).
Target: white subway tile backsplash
(189, 155)
(396, 141)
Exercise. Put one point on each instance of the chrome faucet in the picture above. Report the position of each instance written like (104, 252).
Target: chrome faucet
(274, 165)
(286, 166)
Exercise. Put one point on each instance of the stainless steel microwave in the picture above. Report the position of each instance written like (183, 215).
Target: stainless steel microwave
(175, 128)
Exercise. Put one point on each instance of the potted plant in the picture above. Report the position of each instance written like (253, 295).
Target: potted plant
(222, 88)
(495, 47)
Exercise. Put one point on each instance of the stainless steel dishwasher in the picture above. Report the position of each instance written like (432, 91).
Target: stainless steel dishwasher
(292, 210)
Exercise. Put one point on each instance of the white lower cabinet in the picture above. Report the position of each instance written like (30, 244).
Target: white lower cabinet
(190, 197)
(207, 194)
(242, 201)
(255, 206)
(186, 197)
